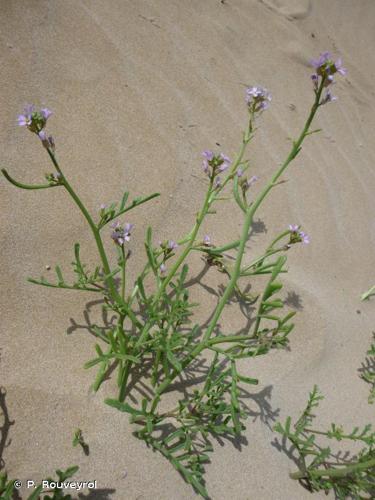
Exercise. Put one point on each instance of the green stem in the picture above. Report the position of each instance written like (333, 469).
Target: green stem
(166, 280)
(178, 263)
(68, 287)
(123, 278)
(259, 260)
(109, 280)
(250, 212)
(334, 472)
(228, 338)
(26, 186)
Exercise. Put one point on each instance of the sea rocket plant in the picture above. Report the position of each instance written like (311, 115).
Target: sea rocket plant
(154, 329)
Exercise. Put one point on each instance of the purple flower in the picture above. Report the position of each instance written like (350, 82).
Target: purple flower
(25, 119)
(172, 245)
(163, 269)
(315, 80)
(208, 155)
(293, 227)
(328, 97)
(225, 158)
(217, 182)
(258, 98)
(339, 68)
(103, 206)
(206, 240)
(252, 179)
(239, 172)
(322, 60)
(305, 238)
(225, 162)
(247, 183)
(46, 113)
(47, 141)
(121, 234)
(205, 167)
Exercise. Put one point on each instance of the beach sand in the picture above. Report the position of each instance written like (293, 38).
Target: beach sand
(138, 90)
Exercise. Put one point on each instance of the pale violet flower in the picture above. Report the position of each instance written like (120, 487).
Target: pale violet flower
(208, 155)
(206, 240)
(293, 227)
(121, 234)
(46, 113)
(47, 140)
(163, 269)
(339, 67)
(217, 182)
(323, 59)
(251, 181)
(328, 97)
(225, 162)
(25, 119)
(258, 98)
(172, 245)
(305, 238)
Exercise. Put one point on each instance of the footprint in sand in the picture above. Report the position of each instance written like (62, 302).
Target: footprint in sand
(291, 9)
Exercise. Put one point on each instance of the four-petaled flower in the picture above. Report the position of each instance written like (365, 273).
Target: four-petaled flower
(305, 238)
(121, 234)
(246, 183)
(328, 97)
(46, 113)
(225, 162)
(297, 236)
(214, 164)
(25, 119)
(172, 245)
(258, 98)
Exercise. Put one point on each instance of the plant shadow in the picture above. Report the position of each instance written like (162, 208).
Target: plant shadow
(99, 494)
(5, 426)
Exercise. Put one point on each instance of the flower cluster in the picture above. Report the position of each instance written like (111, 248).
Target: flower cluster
(326, 68)
(121, 234)
(257, 98)
(297, 236)
(36, 121)
(215, 164)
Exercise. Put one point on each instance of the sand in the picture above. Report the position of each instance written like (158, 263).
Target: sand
(138, 90)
